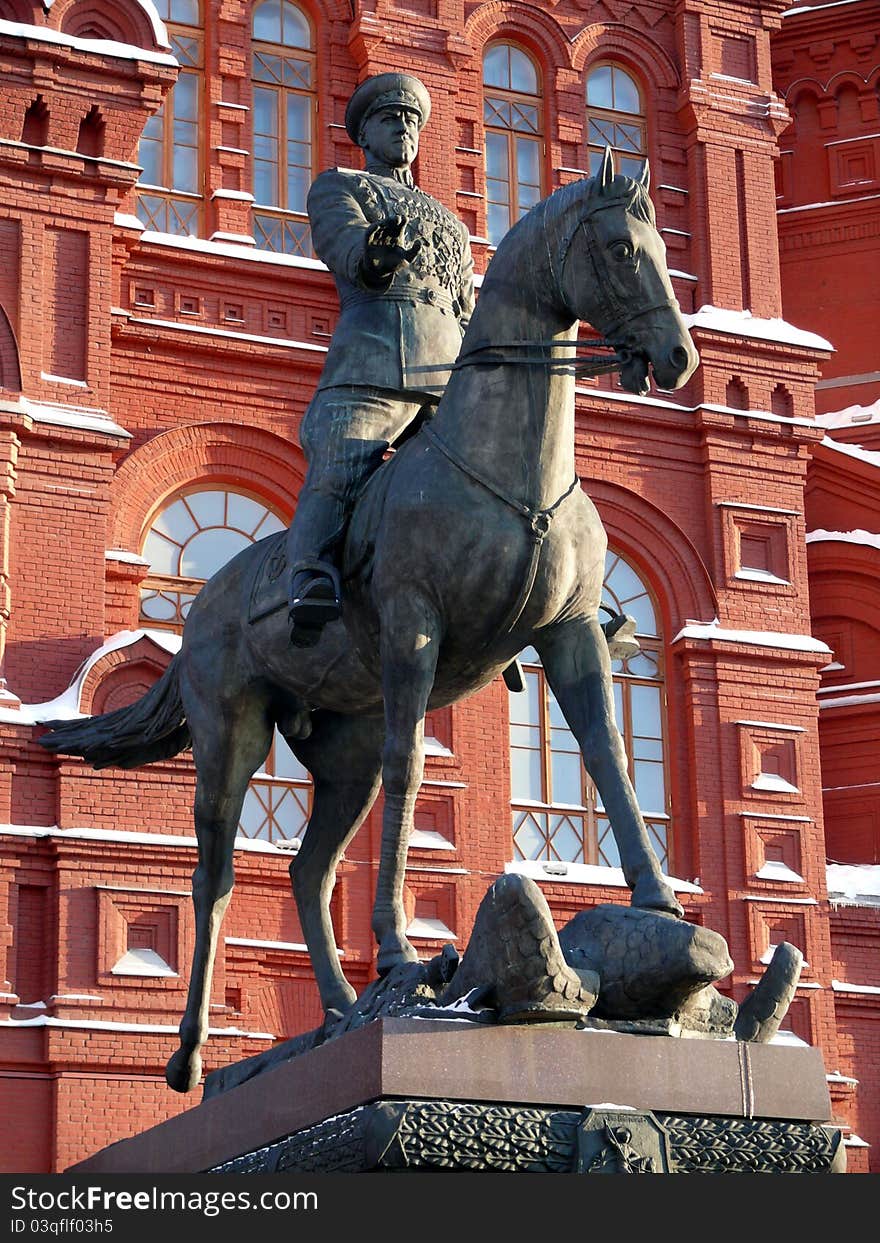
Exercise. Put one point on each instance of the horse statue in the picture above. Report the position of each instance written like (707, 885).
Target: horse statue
(474, 541)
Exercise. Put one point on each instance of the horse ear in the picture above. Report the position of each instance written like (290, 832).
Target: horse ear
(606, 172)
(645, 175)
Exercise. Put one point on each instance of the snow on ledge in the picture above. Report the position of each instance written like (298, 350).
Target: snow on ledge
(230, 250)
(863, 990)
(122, 554)
(585, 874)
(142, 961)
(84, 417)
(851, 416)
(163, 841)
(755, 638)
(105, 1025)
(65, 707)
(853, 884)
(856, 451)
(868, 538)
(745, 324)
(429, 839)
(776, 870)
(429, 929)
(99, 47)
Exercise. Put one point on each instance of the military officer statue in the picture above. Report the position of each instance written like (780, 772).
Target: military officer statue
(404, 273)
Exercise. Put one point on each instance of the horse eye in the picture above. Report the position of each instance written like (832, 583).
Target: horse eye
(621, 251)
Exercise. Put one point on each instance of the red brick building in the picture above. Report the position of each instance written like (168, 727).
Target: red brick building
(163, 326)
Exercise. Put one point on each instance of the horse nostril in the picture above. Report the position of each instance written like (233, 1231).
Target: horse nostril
(679, 357)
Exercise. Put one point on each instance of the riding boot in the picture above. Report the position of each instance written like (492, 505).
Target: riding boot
(314, 596)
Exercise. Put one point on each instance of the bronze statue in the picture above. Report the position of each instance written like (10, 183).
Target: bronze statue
(474, 541)
(404, 272)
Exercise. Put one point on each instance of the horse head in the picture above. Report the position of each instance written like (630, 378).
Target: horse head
(611, 270)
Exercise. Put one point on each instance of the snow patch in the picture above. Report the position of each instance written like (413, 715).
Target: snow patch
(854, 884)
(868, 538)
(99, 47)
(586, 874)
(423, 926)
(867, 990)
(850, 415)
(65, 707)
(75, 416)
(745, 324)
(121, 554)
(429, 839)
(775, 869)
(142, 961)
(773, 781)
(756, 638)
(855, 451)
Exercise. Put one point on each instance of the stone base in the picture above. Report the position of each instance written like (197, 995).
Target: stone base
(404, 1094)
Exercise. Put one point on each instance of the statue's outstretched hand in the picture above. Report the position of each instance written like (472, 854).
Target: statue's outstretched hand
(385, 252)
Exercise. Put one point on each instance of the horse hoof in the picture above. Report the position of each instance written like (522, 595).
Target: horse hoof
(183, 1071)
(394, 956)
(651, 896)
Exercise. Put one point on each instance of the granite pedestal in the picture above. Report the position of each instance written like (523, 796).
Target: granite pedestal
(405, 1094)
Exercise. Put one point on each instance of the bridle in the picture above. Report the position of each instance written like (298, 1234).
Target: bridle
(613, 312)
(591, 358)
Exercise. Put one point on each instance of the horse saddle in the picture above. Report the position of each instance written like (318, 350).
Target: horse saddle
(269, 592)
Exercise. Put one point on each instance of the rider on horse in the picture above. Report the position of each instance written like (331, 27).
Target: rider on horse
(403, 268)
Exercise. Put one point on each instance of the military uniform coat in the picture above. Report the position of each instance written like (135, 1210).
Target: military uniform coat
(405, 335)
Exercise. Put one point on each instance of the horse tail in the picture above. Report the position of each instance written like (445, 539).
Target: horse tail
(153, 728)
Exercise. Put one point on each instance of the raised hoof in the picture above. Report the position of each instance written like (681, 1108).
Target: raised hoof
(184, 1070)
(653, 895)
(393, 955)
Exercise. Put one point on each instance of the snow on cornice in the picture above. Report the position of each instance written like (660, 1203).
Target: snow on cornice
(851, 415)
(854, 884)
(754, 638)
(94, 47)
(817, 8)
(745, 324)
(855, 451)
(868, 538)
(65, 707)
(152, 13)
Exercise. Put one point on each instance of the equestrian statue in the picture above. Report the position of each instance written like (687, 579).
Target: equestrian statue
(471, 542)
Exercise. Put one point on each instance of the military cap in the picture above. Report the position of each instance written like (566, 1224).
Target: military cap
(386, 90)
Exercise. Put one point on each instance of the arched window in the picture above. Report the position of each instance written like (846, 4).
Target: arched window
(615, 118)
(170, 197)
(193, 536)
(557, 813)
(284, 105)
(513, 137)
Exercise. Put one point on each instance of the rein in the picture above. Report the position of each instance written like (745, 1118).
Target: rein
(588, 362)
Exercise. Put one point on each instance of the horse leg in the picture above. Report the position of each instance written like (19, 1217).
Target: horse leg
(578, 667)
(344, 756)
(409, 647)
(230, 741)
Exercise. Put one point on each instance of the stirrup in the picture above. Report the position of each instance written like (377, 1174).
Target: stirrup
(620, 634)
(316, 604)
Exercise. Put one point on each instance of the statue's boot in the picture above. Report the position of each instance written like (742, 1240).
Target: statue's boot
(515, 962)
(314, 601)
